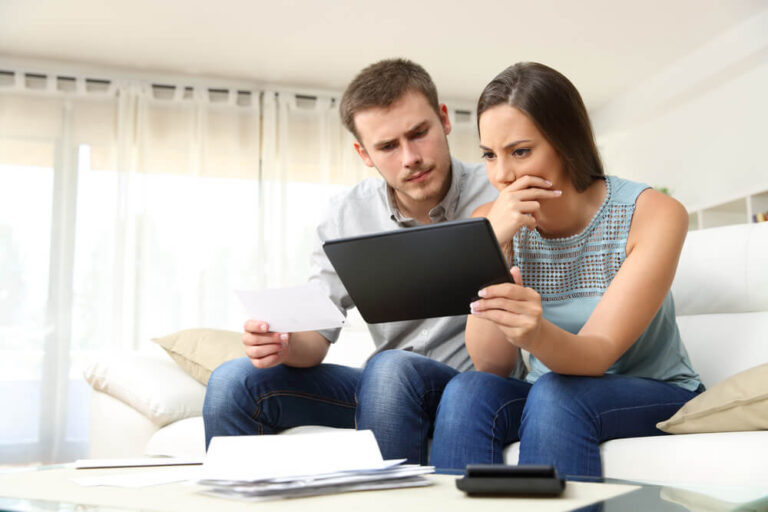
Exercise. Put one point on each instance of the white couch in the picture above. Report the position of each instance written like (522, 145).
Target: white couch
(721, 294)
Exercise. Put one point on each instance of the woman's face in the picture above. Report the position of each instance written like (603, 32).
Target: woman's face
(514, 147)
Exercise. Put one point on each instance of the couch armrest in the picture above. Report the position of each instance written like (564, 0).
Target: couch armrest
(116, 430)
(150, 383)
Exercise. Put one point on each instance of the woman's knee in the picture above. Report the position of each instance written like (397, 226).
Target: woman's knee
(551, 385)
(557, 401)
(466, 388)
(467, 396)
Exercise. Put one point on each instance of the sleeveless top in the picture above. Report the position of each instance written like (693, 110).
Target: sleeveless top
(571, 274)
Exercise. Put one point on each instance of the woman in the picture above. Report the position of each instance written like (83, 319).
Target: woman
(593, 258)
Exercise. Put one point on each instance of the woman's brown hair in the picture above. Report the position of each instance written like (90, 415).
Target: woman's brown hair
(552, 102)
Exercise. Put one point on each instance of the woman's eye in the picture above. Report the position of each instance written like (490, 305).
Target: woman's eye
(521, 152)
(487, 155)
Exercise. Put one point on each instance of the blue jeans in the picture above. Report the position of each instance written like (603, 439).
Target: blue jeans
(398, 397)
(395, 396)
(559, 420)
(243, 400)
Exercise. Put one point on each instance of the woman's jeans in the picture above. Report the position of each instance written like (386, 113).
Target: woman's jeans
(396, 396)
(560, 420)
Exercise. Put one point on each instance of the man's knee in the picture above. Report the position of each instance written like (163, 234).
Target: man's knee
(391, 362)
(226, 384)
(399, 371)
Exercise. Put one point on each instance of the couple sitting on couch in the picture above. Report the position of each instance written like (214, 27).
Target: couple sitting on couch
(592, 258)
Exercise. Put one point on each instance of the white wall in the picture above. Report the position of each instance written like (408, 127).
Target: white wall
(699, 127)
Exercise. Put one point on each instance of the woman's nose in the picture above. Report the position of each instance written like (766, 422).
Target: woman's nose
(504, 172)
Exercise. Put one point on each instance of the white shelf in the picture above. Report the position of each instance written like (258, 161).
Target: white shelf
(738, 211)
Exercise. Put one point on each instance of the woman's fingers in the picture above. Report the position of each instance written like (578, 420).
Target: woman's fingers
(512, 323)
(509, 291)
(517, 275)
(531, 194)
(520, 307)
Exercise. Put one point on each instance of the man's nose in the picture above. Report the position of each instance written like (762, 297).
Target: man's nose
(411, 155)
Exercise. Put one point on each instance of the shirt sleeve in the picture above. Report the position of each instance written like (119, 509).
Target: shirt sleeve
(323, 273)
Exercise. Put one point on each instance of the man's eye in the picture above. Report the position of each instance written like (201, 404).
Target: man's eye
(521, 152)
(420, 133)
(387, 147)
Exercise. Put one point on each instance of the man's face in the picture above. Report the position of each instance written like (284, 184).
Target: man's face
(407, 144)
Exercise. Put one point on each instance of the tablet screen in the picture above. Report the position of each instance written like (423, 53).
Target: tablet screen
(422, 272)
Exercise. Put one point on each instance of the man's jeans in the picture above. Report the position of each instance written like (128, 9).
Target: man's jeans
(397, 399)
(242, 399)
(396, 396)
(559, 420)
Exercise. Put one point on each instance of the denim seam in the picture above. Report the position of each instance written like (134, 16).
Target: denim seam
(272, 394)
(495, 417)
(680, 404)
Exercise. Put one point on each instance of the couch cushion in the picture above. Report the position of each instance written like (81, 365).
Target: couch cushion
(723, 345)
(738, 403)
(184, 438)
(722, 459)
(150, 383)
(718, 459)
(200, 351)
(723, 270)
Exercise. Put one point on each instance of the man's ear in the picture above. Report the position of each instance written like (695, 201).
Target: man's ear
(444, 119)
(363, 154)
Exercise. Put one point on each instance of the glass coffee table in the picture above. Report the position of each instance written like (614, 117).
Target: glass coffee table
(51, 488)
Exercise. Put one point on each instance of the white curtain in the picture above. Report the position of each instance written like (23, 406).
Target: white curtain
(129, 211)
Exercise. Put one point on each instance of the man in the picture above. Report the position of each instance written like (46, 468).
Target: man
(392, 109)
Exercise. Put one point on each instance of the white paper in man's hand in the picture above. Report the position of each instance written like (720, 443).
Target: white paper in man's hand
(293, 309)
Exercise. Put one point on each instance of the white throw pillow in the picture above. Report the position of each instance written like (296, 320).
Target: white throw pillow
(151, 384)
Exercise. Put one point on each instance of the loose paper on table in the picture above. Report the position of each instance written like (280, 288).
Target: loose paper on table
(307, 464)
(253, 458)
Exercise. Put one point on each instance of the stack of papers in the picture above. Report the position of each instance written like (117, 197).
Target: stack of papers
(291, 466)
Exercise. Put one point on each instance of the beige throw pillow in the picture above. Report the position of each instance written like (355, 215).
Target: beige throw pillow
(200, 351)
(738, 403)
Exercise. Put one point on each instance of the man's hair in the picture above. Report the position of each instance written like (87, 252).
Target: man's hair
(383, 83)
(552, 102)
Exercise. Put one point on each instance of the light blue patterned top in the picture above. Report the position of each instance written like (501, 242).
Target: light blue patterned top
(571, 274)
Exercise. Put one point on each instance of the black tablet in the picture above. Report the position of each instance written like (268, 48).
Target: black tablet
(421, 272)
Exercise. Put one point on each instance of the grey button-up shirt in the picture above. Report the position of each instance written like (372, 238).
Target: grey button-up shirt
(369, 208)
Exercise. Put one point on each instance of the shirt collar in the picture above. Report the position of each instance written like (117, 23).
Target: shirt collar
(444, 210)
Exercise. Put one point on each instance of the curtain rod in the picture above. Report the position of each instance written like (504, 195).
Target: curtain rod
(107, 82)
(218, 90)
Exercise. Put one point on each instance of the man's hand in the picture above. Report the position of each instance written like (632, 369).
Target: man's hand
(263, 347)
(517, 206)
